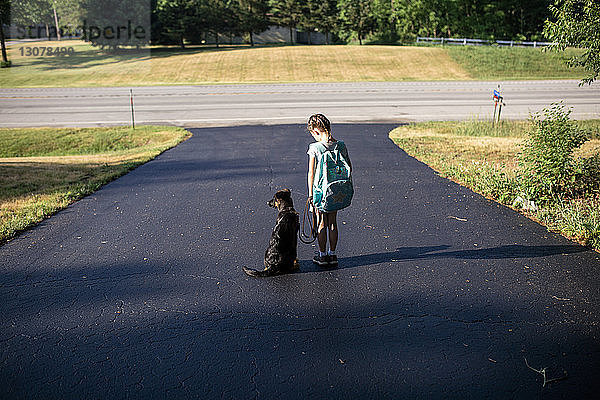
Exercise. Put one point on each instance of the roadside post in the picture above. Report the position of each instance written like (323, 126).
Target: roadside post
(498, 103)
(132, 113)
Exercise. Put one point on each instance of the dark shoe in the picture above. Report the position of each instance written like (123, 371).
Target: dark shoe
(321, 261)
(333, 262)
(295, 266)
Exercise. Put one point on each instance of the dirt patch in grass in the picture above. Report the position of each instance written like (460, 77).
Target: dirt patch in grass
(500, 152)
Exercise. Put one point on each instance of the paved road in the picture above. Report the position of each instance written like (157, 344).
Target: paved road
(289, 103)
(137, 291)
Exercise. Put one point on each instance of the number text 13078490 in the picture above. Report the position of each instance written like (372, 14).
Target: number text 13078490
(43, 51)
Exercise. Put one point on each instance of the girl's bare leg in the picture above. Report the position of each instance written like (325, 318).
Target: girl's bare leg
(322, 231)
(333, 230)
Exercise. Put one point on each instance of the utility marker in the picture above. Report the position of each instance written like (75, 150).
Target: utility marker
(132, 113)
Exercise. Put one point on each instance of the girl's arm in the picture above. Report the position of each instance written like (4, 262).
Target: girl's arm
(345, 154)
(311, 175)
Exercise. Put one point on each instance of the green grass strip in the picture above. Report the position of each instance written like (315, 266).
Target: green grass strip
(44, 170)
(484, 158)
(504, 63)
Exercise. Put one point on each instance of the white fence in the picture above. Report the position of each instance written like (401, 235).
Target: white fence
(480, 42)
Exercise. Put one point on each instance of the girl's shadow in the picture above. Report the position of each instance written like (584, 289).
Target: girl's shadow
(436, 252)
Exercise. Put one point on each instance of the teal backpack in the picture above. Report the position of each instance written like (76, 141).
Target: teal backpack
(333, 190)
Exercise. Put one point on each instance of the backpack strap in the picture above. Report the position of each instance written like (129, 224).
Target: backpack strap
(335, 147)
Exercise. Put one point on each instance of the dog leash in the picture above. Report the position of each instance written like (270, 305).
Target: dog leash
(312, 220)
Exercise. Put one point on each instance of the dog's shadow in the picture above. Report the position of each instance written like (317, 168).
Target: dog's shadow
(437, 252)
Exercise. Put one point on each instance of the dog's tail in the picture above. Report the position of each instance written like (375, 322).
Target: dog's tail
(253, 272)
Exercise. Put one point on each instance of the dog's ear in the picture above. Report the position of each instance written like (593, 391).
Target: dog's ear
(284, 194)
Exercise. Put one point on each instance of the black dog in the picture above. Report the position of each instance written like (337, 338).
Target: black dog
(281, 255)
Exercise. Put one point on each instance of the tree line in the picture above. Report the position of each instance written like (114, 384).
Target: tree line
(383, 21)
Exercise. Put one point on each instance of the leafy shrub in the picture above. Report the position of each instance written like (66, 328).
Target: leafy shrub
(548, 168)
(587, 175)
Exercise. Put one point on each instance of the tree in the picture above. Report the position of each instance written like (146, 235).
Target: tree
(287, 13)
(253, 17)
(113, 24)
(27, 15)
(577, 23)
(70, 14)
(357, 16)
(422, 17)
(385, 25)
(309, 17)
(4, 20)
(175, 17)
(217, 17)
(524, 19)
(499, 19)
(211, 17)
(326, 17)
(404, 15)
(230, 18)
(61, 17)
(182, 21)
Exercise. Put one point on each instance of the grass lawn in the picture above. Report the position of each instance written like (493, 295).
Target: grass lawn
(44, 170)
(484, 159)
(229, 64)
(88, 66)
(507, 63)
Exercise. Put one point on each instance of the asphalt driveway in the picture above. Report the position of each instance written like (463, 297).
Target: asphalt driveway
(137, 291)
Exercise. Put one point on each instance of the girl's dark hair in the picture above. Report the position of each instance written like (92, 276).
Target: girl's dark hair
(320, 122)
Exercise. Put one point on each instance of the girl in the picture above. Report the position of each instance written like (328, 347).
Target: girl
(320, 129)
